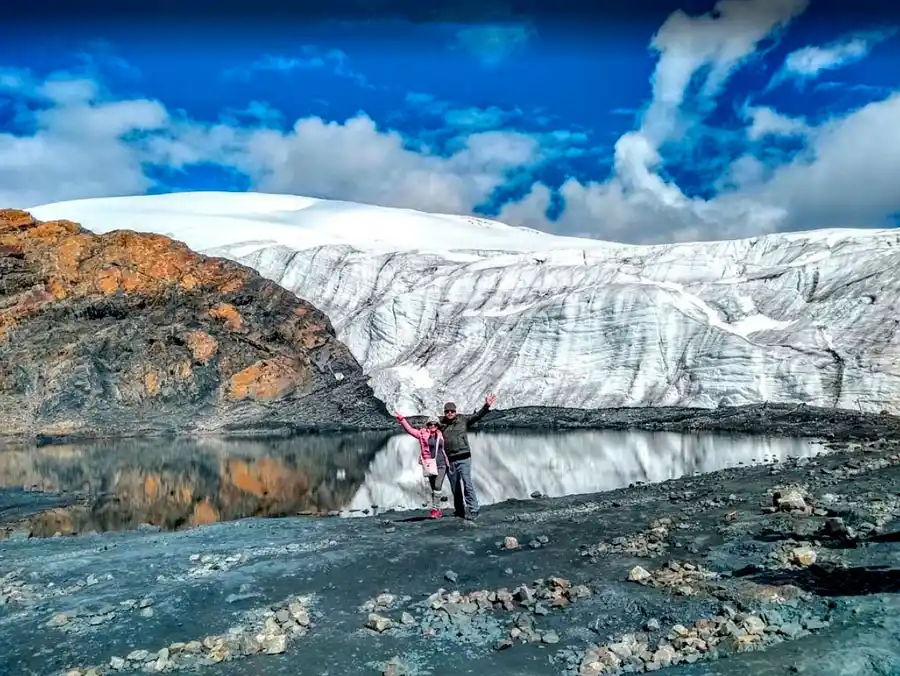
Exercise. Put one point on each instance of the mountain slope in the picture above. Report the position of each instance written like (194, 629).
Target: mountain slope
(128, 333)
(436, 307)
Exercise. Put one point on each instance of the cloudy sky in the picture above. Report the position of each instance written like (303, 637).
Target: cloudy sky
(669, 122)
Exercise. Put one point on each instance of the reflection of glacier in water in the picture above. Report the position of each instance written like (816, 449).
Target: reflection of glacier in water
(514, 465)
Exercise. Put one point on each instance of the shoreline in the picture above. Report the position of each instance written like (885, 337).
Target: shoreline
(786, 420)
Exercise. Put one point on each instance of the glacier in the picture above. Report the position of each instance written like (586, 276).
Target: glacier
(439, 307)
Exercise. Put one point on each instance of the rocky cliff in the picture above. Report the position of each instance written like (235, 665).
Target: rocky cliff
(130, 334)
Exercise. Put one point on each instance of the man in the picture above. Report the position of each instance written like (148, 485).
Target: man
(455, 428)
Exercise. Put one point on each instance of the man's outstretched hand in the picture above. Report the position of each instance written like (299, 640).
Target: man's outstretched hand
(491, 398)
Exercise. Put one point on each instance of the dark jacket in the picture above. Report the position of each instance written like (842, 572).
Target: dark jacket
(456, 441)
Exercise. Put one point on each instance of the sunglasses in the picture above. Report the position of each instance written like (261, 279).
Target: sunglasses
(431, 425)
(449, 411)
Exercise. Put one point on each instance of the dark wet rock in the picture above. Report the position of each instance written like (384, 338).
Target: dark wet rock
(450, 576)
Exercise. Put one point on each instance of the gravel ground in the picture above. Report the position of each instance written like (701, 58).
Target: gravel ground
(791, 568)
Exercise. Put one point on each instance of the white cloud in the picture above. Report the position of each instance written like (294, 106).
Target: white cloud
(808, 62)
(310, 58)
(714, 43)
(76, 140)
(637, 203)
(765, 121)
(847, 176)
(80, 142)
(77, 145)
(493, 44)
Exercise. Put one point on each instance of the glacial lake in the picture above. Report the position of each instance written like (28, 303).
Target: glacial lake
(173, 484)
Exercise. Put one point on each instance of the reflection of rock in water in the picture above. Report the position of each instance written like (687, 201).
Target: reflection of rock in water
(180, 483)
(515, 465)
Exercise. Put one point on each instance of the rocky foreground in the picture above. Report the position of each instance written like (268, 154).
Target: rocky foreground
(764, 570)
(125, 334)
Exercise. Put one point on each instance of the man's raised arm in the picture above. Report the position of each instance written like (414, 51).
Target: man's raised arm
(480, 413)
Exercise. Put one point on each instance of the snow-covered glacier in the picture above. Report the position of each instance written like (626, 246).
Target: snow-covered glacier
(441, 307)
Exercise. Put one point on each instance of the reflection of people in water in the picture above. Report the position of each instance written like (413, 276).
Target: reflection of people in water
(431, 456)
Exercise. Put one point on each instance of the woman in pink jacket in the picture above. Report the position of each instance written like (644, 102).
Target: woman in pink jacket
(431, 456)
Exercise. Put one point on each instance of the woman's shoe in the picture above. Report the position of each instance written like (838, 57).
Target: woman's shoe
(434, 513)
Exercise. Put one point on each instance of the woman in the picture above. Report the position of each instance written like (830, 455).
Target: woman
(431, 456)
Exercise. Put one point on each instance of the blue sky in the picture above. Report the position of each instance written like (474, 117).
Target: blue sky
(678, 122)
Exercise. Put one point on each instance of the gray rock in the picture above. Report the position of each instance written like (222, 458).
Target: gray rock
(147, 612)
(543, 539)
(791, 629)
(450, 576)
(145, 602)
(283, 616)
(541, 609)
(378, 623)
(407, 618)
(395, 667)
(550, 637)
(116, 663)
(652, 624)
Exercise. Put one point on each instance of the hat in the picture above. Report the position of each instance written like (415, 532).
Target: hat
(432, 420)
(449, 406)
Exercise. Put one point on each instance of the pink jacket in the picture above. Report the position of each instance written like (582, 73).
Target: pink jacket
(422, 435)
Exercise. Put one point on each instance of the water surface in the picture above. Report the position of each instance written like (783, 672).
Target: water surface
(181, 483)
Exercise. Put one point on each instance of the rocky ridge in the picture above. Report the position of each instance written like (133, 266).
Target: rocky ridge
(127, 334)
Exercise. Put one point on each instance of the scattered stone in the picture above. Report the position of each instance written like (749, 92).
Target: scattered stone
(450, 576)
(536, 495)
(510, 542)
(394, 667)
(803, 556)
(835, 527)
(791, 499)
(407, 618)
(650, 543)
(652, 624)
(638, 574)
(550, 637)
(147, 612)
(705, 639)
(378, 623)
(266, 630)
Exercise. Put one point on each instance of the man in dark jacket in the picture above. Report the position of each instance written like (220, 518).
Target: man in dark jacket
(455, 429)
